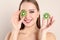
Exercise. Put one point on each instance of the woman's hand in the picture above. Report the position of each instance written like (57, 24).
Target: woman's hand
(46, 24)
(15, 20)
(16, 25)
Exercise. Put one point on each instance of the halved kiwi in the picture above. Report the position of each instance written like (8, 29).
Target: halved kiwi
(23, 13)
(46, 15)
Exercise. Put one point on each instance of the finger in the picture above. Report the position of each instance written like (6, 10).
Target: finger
(47, 22)
(44, 23)
(15, 17)
(22, 19)
(50, 21)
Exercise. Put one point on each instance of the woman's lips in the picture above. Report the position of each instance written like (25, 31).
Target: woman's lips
(28, 20)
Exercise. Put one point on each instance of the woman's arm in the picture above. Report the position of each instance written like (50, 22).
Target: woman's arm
(16, 25)
(46, 25)
(14, 35)
(42, 35)
(8, 36)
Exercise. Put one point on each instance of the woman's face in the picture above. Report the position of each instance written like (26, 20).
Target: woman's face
(32, 13)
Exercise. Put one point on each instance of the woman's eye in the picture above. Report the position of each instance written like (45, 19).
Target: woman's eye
(31, 12)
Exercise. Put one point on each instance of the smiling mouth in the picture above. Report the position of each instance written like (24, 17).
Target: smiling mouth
(28, 20)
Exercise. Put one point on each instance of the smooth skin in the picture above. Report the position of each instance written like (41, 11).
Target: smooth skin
(30, 32)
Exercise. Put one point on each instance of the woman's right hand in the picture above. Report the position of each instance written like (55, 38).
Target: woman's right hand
(15, 21)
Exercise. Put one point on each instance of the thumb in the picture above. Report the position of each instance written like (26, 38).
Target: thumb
(20, 22)
(44, 23)
(22, 19)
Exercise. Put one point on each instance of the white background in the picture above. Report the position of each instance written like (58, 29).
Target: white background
(8, 7)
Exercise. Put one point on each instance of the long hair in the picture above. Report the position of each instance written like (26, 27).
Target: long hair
(38, 19)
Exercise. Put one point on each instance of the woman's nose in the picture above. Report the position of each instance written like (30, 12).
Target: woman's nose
(27, 16)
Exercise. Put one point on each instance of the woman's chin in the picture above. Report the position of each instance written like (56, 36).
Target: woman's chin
(28, 24)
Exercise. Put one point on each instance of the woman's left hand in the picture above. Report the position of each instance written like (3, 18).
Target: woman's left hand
(46, 24)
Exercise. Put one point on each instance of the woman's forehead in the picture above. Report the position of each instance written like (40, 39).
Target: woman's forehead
(28, 6)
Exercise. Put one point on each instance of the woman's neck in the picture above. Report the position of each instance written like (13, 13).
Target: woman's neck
(32, 28)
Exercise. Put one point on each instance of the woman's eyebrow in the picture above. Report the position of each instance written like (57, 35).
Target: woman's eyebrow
(31, 9)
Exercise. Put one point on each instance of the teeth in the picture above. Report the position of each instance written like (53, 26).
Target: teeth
(27, 21)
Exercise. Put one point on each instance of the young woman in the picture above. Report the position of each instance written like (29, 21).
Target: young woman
(28, 27)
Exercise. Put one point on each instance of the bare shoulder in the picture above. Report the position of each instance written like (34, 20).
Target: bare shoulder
(8, 36)
(50, 36)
